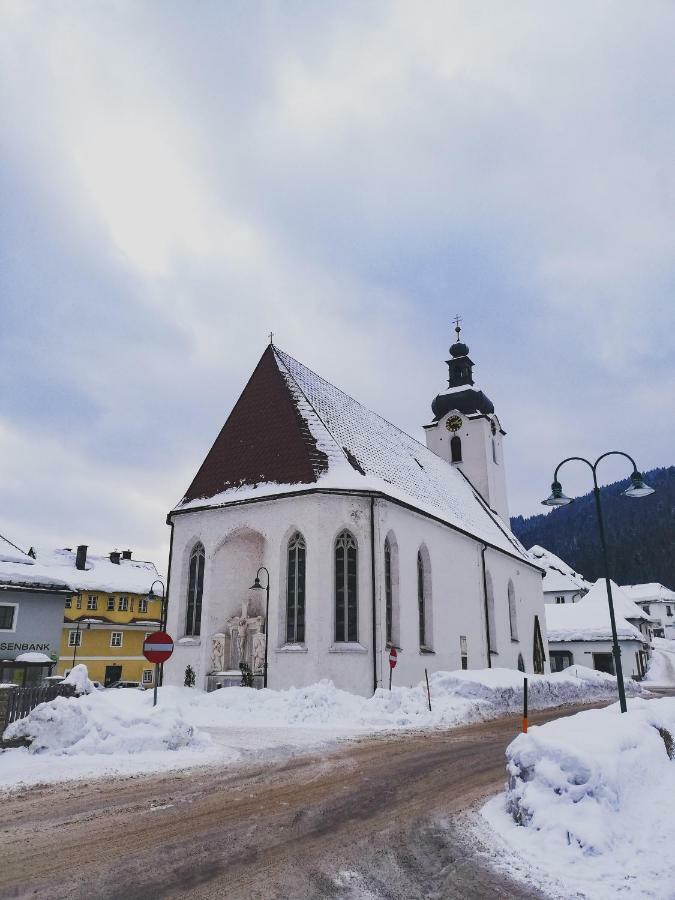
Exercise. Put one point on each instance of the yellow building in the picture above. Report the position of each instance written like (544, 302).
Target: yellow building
(108, 615)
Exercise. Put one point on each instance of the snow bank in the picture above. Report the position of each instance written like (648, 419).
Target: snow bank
(661, 671)
(95, 724)
(593, 792)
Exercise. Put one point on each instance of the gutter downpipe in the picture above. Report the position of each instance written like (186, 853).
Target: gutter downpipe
(166, 599)
(372, 579)
(487, 612)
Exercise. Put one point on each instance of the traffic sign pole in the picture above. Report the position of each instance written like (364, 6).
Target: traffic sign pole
(154, 693)
(393, 659)
(157, 648)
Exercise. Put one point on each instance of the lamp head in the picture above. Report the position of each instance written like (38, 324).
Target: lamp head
(557, 497)
(638, 488)
(256, 586)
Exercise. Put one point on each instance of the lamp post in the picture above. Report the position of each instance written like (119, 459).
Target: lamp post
(159, 667)
(256, 586)
(637, 489)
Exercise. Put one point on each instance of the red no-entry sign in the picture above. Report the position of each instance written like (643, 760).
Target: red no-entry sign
(158, 647)
(393, 657)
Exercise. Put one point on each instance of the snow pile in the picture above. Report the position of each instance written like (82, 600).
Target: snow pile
(661, 671)
(95, 724)
(78, 677)
(456, 698)
(592, 790)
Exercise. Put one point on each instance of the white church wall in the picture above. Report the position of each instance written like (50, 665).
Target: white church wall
(238, 539)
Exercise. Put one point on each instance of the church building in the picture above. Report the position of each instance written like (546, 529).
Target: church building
(316, 536)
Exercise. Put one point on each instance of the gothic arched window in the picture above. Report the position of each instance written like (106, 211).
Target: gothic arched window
(521, 663)
(513, 617)
(456, 448)
(421, 600)
(388, 594)
(193, 612)
(538, 653)
(346, 606)
(491, 624)
(295, 590)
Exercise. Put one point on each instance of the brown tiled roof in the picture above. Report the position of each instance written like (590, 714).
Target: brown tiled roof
(265, 439)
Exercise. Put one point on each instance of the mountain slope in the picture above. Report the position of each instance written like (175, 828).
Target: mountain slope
(640, 533)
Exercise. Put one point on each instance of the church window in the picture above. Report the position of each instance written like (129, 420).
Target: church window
(295, 590)
(456, 449)
(463, 652)
(421, 600)
(521, 663)
(193, 617)
(538, 655)
(346, 609)
(494, 451)
(387, 590)
(513, 615)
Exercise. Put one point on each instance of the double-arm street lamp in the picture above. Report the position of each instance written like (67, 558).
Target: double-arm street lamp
(256, 586)
(637, 489)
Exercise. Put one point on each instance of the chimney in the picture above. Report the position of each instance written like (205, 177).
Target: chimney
(115, 557)
(126, 554)
(81, 558)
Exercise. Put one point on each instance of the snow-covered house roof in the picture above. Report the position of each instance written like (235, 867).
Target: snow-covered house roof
(559, 576)
(18, 570)
(588, 620)
(100, 573)
(291, 430)
(649, 593)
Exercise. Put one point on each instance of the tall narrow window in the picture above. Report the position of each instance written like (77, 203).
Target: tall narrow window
(193, 616)
(456, 448)
(346, 609)
(491, 624)
(388, 597)
(421, 611)
(513, 617)
(494, 451)
(538, 653)
(295, 591)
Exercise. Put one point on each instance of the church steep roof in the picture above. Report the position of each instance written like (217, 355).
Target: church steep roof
(292, 430)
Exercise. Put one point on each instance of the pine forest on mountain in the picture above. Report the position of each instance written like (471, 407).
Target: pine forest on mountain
(640, 533)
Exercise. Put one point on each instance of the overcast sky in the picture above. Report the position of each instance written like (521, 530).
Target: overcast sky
(178, 179)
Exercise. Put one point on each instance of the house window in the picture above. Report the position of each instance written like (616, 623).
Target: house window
(116, 639)
(295, 590)
(123, 604)
(147, 676)
(69, 602)
(559, 599)
(669, 611)
(75, 638)
(193, 614)
(513, 615)
(421, 612)
(111, 604)
(456, 449)
(7, 614)
(142, 604)
(92, 603)
(346, 608)
(463, 652)
(388, 599)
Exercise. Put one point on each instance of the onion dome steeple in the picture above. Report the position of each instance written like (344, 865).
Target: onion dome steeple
(461, 393)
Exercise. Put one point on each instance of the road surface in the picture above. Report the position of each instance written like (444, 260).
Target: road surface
(381, 818)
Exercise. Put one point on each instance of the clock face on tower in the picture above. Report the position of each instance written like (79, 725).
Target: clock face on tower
(454, 423)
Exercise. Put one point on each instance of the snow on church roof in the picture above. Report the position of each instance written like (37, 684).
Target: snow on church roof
(559, 576)
(292, 429)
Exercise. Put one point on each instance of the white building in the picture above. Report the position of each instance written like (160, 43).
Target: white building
(561, 583)
(657, 601)
(580, 633)
(371, 540)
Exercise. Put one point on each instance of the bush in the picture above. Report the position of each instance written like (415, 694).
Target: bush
(189, 677)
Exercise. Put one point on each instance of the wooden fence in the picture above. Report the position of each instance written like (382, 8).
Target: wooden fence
(17, 702)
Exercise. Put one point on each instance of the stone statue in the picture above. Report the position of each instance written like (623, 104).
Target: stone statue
(259, 641)
(218, 652)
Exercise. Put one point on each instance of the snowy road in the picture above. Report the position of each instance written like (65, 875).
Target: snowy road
(384, 817)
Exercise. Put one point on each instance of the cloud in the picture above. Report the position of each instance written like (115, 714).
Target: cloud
(175, 186)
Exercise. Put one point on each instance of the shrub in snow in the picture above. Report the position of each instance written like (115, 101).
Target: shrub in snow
(189, 677)
(78, 678)
(101, 723)
(582, 780)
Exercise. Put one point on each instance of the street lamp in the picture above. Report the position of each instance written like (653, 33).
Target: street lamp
(637, 489)
(256, 586)
(159, 669)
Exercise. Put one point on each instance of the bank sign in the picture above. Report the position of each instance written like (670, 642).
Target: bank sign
(19, 647)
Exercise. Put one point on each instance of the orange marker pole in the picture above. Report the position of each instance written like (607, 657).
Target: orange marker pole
(524, 705)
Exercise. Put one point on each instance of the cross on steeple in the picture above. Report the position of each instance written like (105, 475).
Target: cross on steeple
(457, 320)
(271, 337)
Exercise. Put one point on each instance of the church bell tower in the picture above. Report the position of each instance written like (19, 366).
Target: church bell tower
(467, 433)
